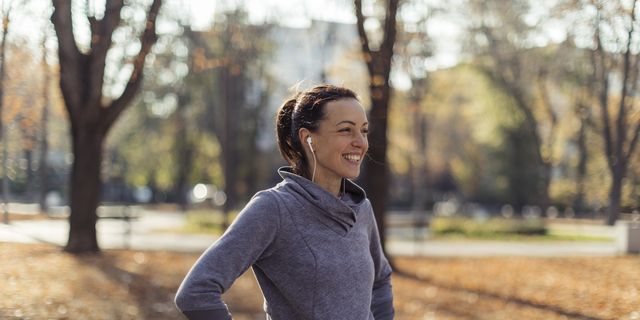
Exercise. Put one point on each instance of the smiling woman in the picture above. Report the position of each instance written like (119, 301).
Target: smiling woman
(311, 240)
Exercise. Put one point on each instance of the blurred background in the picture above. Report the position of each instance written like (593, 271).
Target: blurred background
(496, 104)
(500, 120)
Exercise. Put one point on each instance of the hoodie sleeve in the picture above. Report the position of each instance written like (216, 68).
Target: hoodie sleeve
(382, 296)
(245, 241)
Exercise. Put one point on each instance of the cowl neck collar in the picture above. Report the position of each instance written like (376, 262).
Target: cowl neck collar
(342, 210)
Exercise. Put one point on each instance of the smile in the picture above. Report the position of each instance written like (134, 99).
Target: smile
(352, 157)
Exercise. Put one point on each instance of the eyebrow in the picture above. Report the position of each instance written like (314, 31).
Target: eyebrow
(350, 122)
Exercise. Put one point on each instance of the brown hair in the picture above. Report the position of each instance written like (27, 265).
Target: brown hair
(304, 110)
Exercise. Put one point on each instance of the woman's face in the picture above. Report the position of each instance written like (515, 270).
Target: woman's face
(340, 142)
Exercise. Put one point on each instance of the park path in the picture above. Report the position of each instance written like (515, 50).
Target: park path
(151, 231)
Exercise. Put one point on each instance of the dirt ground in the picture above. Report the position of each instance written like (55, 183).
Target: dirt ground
(41, 282)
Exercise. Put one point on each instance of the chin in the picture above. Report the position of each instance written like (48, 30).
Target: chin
(352, 175)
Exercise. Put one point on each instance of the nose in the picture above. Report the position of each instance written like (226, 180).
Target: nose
(360, 140)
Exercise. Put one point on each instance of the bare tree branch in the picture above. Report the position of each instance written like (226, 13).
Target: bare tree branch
(364, 38)
(601, 72)
(389, 39)
(147, 39)
(621, 122)
(101, 40)
(553, 118)
(69, 54)
(634, 141)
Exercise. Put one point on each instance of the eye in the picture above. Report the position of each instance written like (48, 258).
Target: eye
(365, 131)
(345, 130)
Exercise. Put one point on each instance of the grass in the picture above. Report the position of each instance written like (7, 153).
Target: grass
(523, 238)
(498, 229)
(207, 222)
(41, 282)
(501, 229)
(487, 227)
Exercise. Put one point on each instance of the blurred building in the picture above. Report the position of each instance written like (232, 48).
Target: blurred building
(322, 52)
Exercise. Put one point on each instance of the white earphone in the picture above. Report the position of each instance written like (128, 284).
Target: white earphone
(309, 140)
(313, 152)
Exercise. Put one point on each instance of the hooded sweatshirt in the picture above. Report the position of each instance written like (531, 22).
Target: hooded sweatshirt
(315, 256)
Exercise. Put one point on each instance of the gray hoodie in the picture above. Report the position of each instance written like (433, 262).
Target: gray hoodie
(315, 257)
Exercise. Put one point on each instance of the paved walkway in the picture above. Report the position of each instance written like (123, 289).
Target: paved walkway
(438, 248)
(145, 233)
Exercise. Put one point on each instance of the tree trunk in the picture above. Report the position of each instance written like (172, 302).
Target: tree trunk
(228, 159)
(543, 196)
(29, 181)
(233, 103)
(184, 153)
(85, 190)
(421, 174)
(44, 134)
(376, 178)
(3, 129)
(582, 168)
(615, 195)
(185, 160)
(5, 168)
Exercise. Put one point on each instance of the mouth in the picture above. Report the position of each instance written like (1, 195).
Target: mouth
(352, 157)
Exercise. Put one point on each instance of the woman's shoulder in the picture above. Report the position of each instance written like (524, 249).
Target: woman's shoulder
(269, 193)
(263, 206)
(264, 197)
(273, 198)
(278, 191)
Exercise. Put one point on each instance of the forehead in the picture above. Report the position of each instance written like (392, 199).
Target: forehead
(344, 109)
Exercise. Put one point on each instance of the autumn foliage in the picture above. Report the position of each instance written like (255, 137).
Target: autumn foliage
(40, 282)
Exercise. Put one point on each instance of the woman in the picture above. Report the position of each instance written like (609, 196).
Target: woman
(312, 239)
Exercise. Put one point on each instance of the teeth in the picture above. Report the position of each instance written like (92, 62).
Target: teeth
(352, 157)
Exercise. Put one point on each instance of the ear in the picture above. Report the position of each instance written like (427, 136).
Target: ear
(303, 133)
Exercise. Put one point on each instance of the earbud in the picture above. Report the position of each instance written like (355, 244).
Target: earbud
(313, 152)
(309, 140)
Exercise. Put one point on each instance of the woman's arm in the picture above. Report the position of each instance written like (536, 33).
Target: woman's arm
(247, 239)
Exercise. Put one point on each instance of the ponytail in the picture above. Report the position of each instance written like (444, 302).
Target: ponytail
(289, 145)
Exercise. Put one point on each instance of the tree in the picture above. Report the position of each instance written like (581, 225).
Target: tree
(6, 20)
(153, 145)
(91, 116)
(612, 67)
(231, 73)
(6, 10)
(572, 68)
(467, 118)
(505, 54)
(23, 101)
(414, 47)
(619, 141)
(43, 139)
(378, 61)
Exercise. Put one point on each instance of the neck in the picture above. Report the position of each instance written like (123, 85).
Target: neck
(334, 186)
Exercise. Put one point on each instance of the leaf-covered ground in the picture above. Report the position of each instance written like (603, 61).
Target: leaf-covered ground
(41, 282)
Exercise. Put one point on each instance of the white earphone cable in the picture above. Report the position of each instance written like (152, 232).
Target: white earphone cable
(313, 176)
(313, 152)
